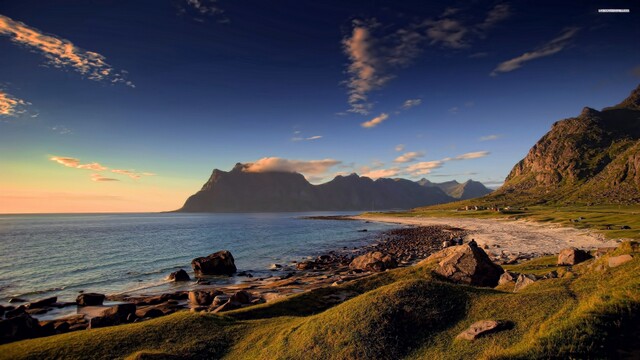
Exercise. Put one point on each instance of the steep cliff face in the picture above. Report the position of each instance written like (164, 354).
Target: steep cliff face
(242, 191)
(590, 158)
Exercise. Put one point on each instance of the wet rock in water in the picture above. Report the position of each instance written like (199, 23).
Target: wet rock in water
(16, 300)
(42, 302)
(90, 299)
(523, 281)
(245, 273)
(179, 275)
(363, 230)
(619, 260)
(305, 265)
(219, 263)
(508, 277)
(483, 327)
(374, 261)
(18, 328)
(467, 265)
(16, 312)
(275, 267)
(572, 256)
(243, 297)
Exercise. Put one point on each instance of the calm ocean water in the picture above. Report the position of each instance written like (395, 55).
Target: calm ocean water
(46, 255)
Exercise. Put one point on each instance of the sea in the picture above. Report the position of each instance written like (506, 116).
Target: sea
(65, 254)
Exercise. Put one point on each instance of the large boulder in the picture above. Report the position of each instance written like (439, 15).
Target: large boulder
(616, 261)
(467, 264)
(572, 256)
(374, 261)
(18, 328)
(114, 315)
(42, 303)
(179, 275)
(219, 263)
(203, 297)
(90, 299)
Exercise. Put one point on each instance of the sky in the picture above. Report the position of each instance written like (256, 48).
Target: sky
(127, 106)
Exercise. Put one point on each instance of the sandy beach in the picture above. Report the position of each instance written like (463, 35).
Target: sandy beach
(510, 236)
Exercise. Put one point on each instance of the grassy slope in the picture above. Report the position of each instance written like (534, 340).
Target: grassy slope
(594, 217)
(403, 313)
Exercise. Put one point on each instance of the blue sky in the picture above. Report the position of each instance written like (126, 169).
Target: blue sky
(158, 93)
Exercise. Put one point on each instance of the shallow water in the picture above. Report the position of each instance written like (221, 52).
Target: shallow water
(46, 255)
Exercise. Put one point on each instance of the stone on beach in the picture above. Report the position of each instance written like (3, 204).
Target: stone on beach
(219, 263)
(42, 302)
(179, 275)
(243, 297)
(374, 261)
(90, 299)
(572, 256)
(203, 297)
(467, 264)
(619, 260)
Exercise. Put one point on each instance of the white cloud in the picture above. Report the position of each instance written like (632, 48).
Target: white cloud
(62, 53)
(375, 121)
(470, 155)
(409, 156)
(552, 47)
(62, 130)
(275, 164)
(423, 168)
(490, 137)
(399, 147)
(411, 103)
(382, 173)
(315, 137)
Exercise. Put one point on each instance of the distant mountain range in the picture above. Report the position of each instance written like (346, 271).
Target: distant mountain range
(241, 191)
(593, 158)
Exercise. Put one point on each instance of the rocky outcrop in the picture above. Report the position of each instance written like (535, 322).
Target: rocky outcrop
(179, 275)
(203, 297)
(219, 263)
(592, 158)
(241, 190)
(483, 328)
(523, 281)
(467, 264)
(18, 328)
(572, 256)
(374, 261)
(42, 303)
(616, 261)
(90, 299)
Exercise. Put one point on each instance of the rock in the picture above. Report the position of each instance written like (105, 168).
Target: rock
(467, 265)
(229, 305)
(219, 300)
(258, 301)
(604, 250)
(16, 312)
(508, 277)
(245, 273)
(18, 328)
(305, 265)
(243, 297)
(551, 275)
(90, 299)
(16, 300)
(62, 327)
(625, 227)
(473, 242)
(523, 281)
(149, 313)
(179, 275)
(98, 322)
(363, 230)
(619, 260)
(1, 310)
(481, 328)
(219, 263)
(117, 314)
(572, 256)
(275, 267)
(36, 311)
(374, 261)
(446, 244)
(42, 302)
(78, 327)
(200, 297)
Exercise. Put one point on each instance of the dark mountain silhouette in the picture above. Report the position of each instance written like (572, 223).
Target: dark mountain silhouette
(241, 191)
(462, 191)
(591, 158)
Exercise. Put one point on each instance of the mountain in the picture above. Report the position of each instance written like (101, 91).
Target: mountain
(593, 158)
(462, 191)
(239, 190)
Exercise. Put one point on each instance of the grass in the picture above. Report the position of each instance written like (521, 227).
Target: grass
(596, 218)
(404, 313)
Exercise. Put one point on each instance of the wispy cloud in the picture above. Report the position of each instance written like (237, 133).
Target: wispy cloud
(552, 47)
(469, 155)
(447, 32)
(297, 136)
(375, 121)
(98, 178)
(499, 13)
(62, 130)
(382, 173)
(276, 164)
(423, 168)
(62, 53)
(490, 137)
(409, 156)
(399, 147)
(94, 166)
(10, 105)
(203, 8)
(411, 103)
